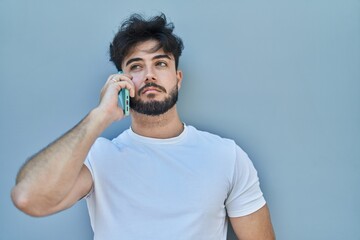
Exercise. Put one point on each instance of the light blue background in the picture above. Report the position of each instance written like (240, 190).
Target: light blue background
(282, 78)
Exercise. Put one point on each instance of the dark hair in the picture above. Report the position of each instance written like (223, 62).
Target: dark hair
(136, 29)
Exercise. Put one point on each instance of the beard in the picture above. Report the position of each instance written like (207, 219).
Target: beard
(154, 107)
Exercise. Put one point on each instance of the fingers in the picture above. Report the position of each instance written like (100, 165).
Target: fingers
(122, 81)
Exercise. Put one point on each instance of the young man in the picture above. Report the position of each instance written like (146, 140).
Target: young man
(160, 179)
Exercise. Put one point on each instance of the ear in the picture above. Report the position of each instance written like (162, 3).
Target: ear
(179, 77)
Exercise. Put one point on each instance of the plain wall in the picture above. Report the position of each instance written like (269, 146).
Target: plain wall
(282, 78)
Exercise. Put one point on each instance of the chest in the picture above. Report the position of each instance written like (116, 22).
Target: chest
(159, 179)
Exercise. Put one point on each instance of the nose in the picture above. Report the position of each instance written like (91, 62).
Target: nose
(150, 75)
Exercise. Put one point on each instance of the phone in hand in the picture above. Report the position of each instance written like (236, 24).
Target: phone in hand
(124, 99)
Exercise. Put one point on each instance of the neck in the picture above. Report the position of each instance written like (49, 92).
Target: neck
(166, 125)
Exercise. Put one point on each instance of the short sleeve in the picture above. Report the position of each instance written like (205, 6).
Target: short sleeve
(245, 195)
(87, 163)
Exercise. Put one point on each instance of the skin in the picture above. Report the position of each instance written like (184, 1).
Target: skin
(56, 178)
(255, 226)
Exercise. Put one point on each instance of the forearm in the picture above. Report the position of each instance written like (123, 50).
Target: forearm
(47, 177)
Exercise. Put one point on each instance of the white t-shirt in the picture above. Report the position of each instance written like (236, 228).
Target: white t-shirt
(177, 188)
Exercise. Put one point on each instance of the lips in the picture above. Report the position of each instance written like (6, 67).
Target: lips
(150, 89)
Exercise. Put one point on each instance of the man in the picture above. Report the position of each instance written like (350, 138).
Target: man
(161, 179)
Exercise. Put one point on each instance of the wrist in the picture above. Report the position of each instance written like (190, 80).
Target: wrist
(100, 118)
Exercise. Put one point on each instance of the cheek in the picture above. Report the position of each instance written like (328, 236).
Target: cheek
(136, 79)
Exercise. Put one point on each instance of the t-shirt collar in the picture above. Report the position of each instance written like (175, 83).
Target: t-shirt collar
(150, 140)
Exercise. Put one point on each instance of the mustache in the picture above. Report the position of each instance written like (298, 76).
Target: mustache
(151, 84)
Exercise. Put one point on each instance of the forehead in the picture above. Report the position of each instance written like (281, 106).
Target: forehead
(148, 48)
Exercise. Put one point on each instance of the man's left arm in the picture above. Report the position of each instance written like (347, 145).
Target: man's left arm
(255, 226)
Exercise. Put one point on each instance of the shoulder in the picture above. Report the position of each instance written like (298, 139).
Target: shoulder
(104, 146)
(116, 142)
(215, 143)
(211, 142)
(209, 137)
(100, 142)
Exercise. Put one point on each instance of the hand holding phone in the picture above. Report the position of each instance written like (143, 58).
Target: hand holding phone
(124, 99)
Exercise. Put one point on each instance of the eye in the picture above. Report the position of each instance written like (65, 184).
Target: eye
(135, 67)
(161, 64)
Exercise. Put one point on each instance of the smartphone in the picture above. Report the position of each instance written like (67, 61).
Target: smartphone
(124, 99)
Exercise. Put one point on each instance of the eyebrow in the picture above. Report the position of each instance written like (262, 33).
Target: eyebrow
(140, 59)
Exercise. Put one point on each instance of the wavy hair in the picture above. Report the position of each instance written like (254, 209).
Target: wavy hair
(136, 29)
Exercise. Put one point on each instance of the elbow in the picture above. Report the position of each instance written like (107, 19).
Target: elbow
(23, 202)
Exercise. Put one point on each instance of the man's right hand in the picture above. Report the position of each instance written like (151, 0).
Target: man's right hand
(109, 96)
